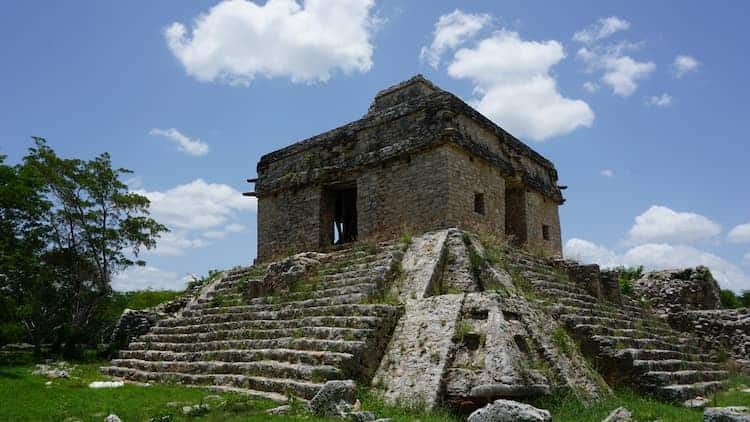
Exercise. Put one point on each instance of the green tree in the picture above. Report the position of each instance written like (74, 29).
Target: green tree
(729, 299)
(90, 227)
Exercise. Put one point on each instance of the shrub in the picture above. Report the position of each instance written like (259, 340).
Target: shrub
(729, 299)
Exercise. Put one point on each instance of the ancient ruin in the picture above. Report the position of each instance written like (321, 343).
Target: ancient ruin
(445, 286)
(420, 159)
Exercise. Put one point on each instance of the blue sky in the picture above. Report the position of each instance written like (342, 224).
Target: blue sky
(642, 106)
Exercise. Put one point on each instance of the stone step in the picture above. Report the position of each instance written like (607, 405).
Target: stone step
(635, 333)
(362, 322)
(661, 354)
(682, 392)
(543, 284)
(330, 333)
(682, 377)
(302, 389)
(308, 357)
(297, 296)
(674, 365)
(643, 343)
(270, 368)
(357, 264)
(591, 310)
(307, 303)
(378, 310)
(557, 294)
(617, 323)
(540, 276)
(341, 346)
(368, 273)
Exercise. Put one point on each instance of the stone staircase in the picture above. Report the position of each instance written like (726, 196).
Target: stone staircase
(628, 344)
(328, 327)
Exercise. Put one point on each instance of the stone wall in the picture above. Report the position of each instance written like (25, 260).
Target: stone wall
(418, 158)
(679, 290)
(725, 329)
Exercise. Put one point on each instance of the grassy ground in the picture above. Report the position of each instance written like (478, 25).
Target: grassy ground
(25, 397)
(643, 408)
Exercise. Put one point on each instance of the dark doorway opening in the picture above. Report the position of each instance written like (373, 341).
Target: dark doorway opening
(344, 215)
(515, 215)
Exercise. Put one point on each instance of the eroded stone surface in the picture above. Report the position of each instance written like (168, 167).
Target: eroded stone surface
(726, 414)
(414, 364)
(620, 414)
(509, 411)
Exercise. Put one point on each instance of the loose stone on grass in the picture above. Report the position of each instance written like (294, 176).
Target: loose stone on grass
(509, 411)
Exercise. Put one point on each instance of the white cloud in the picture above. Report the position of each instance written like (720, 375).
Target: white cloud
(740, 234)
(451, 30)
(147, 277)
(663, 100)
(197, 205)
(603, 28)
(662, 224)
(220, 234)
(194, 147)
(608, 173)
(684, 64)
(237, 40)
(622, 73)
(176, 243)
(196, 211)
(590, 87)
(656, 256)
(512, 78)
(589, 252)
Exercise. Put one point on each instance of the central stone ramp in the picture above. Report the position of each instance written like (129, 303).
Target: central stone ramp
(326, 326)
(628, 343)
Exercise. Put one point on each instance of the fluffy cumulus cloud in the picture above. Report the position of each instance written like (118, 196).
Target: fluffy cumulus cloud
(684, 64)
(621, 72)
(662, 224)
(147, 277)
(189, 146)
(451, 30)
(657, 256)
(197, 212)
(197, 205)
(237, 40)
(515, 88)
(603, 28)
(590, 87)
(663, 100)
(740, 234)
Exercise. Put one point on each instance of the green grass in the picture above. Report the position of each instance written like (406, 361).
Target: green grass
(26, 398)
(570, 409)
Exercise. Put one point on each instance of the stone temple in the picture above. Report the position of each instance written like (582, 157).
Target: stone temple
(420, 159)
(416, 252)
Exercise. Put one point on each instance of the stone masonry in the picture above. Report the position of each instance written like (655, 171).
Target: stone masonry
(420, 159)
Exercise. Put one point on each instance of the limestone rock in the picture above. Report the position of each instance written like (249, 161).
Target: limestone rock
(620, 414)
(112, 418)
(696, 402)
(282, 275)
(196, 410)
(509, 411)
(280, 410)
(726, 414)
(330, 397)
(361, 416)
(679, 290)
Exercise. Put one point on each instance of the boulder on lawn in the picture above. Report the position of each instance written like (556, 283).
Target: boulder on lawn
(509, 411)
(726, 414)
(334, 399)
